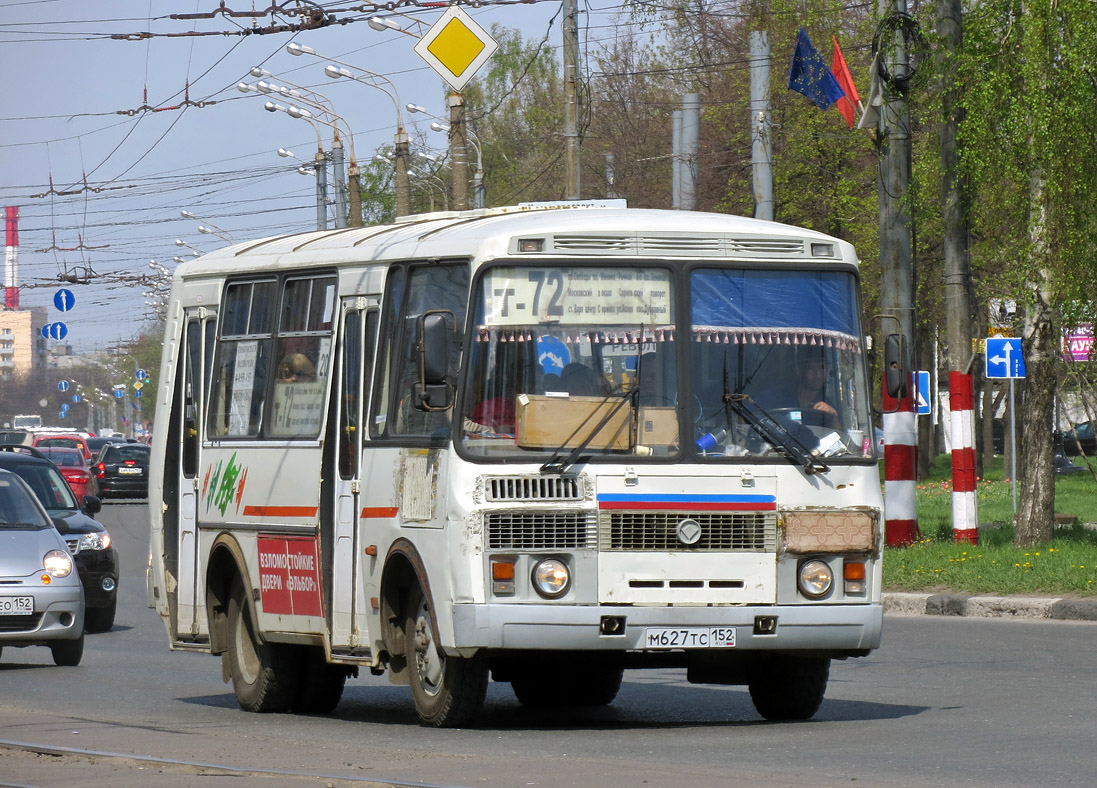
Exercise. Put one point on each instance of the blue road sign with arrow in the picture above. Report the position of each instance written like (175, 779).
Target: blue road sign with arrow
(1004, 359)
(57, 330)
(141, 374)
(76, 398)
(118, 393)
(62, 385)
(64, 300)
(922, 392)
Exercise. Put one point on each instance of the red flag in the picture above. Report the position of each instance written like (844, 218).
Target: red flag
(851, 100)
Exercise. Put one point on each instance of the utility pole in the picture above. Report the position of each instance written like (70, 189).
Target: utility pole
(401, 150)
(897, 276)
(760, 137)
(458, 151)
(691, 134)
(340, 184)
(571, 99)
(321, 166)
(676, 159)
(958, 288)
(354, 190)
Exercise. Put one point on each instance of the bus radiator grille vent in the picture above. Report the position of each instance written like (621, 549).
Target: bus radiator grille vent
(753, 532)
(703, 245)
(592, 244)
(532, 488)
(541, 530)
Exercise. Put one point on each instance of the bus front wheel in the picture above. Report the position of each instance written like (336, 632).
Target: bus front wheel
(265, 676)
(786, 688)
(448, 691)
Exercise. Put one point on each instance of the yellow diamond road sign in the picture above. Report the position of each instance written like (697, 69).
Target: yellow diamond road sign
(456, 47)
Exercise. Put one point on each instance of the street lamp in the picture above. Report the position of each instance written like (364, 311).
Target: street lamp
(212, 229)
(403, 200)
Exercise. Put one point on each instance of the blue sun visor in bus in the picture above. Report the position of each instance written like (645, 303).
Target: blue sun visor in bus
(823, 300)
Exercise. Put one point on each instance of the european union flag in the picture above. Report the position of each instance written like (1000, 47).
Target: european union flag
(811, 76)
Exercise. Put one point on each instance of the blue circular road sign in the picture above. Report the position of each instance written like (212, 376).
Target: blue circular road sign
(141, 374)
(58, 330)
(76, 398)
(64, 300)
(62, 385)
(137, 393)
(118, 393)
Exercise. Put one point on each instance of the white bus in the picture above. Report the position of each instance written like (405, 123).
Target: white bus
(535, 446)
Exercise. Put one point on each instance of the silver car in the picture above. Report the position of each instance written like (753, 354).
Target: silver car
(41, 597)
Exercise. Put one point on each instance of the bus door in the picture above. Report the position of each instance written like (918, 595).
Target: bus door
(348, 562)
(197, 355)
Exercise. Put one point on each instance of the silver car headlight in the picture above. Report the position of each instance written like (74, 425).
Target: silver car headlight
(551, 578)
(816, 579)
(96, 541)
(57, 563)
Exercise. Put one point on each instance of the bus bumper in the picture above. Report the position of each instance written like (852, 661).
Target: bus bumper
(838, 628)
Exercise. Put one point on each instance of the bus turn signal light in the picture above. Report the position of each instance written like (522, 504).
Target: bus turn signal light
(502, 578)
(853, 573)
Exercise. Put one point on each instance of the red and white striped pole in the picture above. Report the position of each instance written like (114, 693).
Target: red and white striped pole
(900, 469)
(11, 258)
(965, 512)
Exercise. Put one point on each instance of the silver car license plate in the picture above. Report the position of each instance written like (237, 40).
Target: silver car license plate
(16, 605)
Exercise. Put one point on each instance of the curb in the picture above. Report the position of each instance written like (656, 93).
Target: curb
(910, 604)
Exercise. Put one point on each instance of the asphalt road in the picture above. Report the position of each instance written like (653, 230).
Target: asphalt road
(945, 702)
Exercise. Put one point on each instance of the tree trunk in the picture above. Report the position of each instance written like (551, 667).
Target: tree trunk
(1034, 522)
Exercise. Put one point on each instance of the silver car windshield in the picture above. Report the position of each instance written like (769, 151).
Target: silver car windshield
(17, 505)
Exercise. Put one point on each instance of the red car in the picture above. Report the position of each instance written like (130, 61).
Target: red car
(72, 466)
(48, 440)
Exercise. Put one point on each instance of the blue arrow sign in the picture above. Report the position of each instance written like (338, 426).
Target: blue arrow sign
(57, 330)
(62, 385)
(118, 393)
(141, 374)
(1004, 359)
(137, 393)
(61, 415)
(46, 330)
(922, 392)
(76, 398)
(64, 300)
(64, 407)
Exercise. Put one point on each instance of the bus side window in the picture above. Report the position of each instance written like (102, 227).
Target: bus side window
(429, 288)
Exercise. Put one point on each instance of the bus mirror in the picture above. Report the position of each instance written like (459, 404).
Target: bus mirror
(896, 367)
(433, 392)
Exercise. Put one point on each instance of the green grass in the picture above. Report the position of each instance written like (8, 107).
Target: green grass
(1065, 566)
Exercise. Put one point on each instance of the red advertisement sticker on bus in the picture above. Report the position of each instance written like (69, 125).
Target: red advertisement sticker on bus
(289, 575)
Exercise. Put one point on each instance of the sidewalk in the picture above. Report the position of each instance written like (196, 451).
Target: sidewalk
(909, 604)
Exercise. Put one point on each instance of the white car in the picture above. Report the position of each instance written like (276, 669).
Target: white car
(41, 596)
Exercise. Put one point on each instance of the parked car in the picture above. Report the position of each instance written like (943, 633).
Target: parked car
(74, 468)
(41, 598)
(87, 540)
(122, 469)
(65, 441)
(1080, 440)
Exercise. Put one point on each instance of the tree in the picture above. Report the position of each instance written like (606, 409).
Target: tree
(1029, 82)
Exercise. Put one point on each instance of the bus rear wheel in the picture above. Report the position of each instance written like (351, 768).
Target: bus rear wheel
(448, 691)
(265, 676)
(786, 688)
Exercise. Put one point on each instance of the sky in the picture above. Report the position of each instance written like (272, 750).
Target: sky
(135, 129)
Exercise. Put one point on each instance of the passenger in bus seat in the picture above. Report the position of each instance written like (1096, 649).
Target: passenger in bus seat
(296, 368)
(579, 380)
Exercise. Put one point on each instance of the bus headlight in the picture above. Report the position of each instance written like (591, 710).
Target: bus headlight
(551, 578)
(815, 579)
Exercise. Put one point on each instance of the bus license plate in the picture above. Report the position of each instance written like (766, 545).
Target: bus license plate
(16, 605)
(690, 637)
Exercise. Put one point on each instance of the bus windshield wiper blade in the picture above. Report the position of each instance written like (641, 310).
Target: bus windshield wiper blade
(555, 465)
(772, 431)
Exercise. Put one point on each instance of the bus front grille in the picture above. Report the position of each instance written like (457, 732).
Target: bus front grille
(754, 532)
(547, 530)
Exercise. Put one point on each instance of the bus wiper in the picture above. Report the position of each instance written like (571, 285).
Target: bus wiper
(556, 465)
(772, 431)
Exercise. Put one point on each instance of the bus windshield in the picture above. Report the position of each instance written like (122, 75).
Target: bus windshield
(593, 361)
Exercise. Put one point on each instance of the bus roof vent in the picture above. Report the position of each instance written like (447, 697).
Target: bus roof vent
(532, 488)
(766, 247)
(683, 245)
(594, 244)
